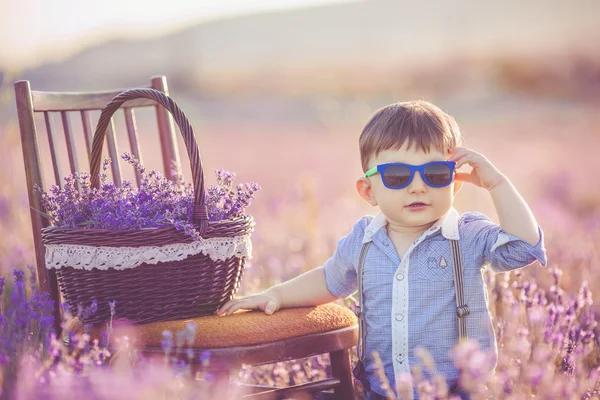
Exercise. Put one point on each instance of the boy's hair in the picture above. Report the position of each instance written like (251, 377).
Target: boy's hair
(421, 123)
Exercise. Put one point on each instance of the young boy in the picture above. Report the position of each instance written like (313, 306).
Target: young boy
(409, 153)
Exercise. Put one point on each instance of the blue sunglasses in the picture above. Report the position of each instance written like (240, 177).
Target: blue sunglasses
(436, 174)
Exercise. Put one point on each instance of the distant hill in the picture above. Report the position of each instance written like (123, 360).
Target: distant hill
(368, 41)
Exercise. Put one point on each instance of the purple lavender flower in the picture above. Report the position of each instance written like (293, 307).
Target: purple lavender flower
(157, 202)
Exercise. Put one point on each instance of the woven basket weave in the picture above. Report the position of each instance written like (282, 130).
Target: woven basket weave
(195, 286)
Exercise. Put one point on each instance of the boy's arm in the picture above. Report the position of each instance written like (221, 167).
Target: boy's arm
(307, 289)
(336, 279)
(513, 212)
(515, 216)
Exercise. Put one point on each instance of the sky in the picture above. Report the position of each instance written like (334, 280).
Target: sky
(36, 31)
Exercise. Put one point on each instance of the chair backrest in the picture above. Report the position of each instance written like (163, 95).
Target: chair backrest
(29, 102)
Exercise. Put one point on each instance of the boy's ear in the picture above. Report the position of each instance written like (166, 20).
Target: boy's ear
(457, 186)
(365, 190)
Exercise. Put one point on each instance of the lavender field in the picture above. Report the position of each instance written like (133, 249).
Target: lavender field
(285, 111)
(545, 317)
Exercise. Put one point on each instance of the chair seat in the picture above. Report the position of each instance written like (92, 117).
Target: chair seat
(242, 328)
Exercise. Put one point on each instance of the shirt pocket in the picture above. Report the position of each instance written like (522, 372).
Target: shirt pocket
(434, 261)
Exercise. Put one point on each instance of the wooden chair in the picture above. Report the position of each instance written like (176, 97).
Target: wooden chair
(250, 338)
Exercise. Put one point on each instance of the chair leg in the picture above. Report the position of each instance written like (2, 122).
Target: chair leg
(342, 370)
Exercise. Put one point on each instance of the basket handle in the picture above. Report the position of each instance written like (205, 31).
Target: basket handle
(199, 213)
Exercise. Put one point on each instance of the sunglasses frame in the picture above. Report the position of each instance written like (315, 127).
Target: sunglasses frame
(413, 168)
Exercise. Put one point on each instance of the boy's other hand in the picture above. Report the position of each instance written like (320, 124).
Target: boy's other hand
(266, 301)
(484, 173)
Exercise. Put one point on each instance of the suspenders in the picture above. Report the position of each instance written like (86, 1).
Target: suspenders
(462, 310)
(361, 319)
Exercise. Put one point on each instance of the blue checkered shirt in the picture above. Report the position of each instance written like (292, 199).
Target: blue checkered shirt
(410, 303)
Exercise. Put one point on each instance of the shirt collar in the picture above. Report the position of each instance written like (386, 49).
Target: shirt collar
(448, 223)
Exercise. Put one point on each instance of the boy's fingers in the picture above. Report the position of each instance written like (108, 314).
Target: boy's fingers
(233, 309)
(270, 307)
(229, 309)
(220, 308)
(227, 306)
(466, 159)
(245, 303)
(458, 155)
(464, 176)
(460, 160)
(248, 303)
(456, 149)
(224, 307)
(464, 152)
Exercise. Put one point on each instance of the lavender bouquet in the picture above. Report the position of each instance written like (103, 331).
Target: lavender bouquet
(157, 202)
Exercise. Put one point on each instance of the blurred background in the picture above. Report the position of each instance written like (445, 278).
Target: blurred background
(278, 92)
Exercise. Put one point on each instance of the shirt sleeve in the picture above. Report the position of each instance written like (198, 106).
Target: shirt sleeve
(503, 251)
(340, 269)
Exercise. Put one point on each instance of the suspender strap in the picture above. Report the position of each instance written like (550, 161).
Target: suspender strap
(362, 333)
(462, 310)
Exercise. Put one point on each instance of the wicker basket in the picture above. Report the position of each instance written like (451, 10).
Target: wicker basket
(194, 286)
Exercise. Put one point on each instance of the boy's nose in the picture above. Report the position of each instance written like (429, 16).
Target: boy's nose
(417, 185)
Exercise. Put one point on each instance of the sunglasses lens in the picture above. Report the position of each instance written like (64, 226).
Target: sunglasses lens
(438, 174)
(396, 175)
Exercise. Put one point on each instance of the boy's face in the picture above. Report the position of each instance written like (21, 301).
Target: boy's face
(395, 203)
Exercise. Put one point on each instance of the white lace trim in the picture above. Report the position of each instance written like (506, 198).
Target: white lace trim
(88, 257)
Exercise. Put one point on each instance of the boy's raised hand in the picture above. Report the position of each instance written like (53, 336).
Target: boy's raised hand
(266, 301)
(484, 173)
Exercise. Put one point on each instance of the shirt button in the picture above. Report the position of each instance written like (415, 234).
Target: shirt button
(400, 359)
(399, 277)
(385, 244)
(399, 317)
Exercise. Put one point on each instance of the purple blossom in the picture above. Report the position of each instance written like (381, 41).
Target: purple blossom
(157, 202)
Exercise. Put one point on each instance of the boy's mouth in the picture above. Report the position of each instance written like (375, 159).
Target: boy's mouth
(417, 204)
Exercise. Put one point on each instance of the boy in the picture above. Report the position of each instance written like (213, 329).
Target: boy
(409, 152)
